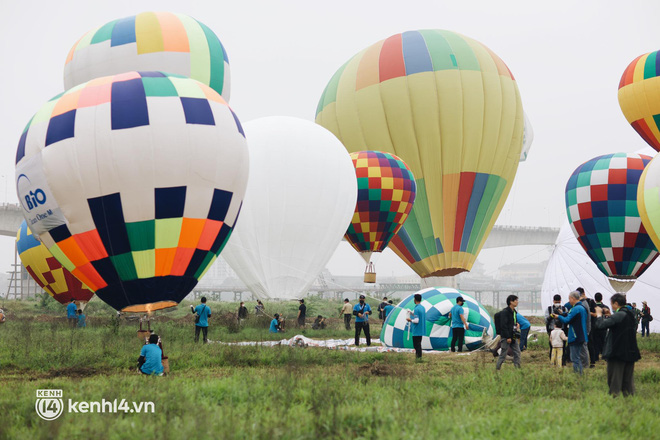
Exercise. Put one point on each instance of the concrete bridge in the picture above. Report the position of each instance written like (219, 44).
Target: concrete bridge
(501, 236)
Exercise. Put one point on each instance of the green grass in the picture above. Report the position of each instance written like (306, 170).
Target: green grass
(219, 391)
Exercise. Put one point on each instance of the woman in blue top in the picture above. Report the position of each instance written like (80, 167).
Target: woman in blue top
(418, 322)
(524, 331)
(151, 358)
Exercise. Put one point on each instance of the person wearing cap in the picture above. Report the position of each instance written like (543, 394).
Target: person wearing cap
(362, 310)
(646, 318)
(347, 311)
(302, 311)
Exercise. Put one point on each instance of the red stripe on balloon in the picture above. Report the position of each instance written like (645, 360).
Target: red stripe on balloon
(390, 63)
(644, 131)
(464, 192)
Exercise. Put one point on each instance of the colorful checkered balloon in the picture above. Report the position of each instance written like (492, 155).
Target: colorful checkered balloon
(134, 183)
(48, 273)
(386, 193)
(601, 202)
(438, 302)
(150, 41)
(639, 89)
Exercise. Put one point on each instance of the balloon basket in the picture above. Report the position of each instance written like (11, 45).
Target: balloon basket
(166, 364)
(143, 334)
(370, 274)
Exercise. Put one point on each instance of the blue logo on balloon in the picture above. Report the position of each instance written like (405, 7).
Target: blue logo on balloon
(33, 198)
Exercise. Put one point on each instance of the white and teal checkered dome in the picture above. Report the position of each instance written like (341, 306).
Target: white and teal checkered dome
(438, 302)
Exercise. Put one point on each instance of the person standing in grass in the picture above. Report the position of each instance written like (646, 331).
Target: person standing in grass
(151, 358)
(202, 312)
(418, 322)
(362, 310)
(587, 345)
(82, 319)
(347, 311)
(646, 318)
(557, 309)
(524, 331)
(510, 328)
(302, 311)
(458, 324)
(557, 340)
(577, 332)
(597, 334)
(638, 315)
(71, 313)
(620, 350)
(242, 313)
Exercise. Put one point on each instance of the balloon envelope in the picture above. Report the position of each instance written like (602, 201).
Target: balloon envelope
(438, 302)
(648, 200)
(46, 271)
(639, 92)
(299, 202)
(160, 41)
(450, 108)
(386, 193)
(601, 203)
(134, 183)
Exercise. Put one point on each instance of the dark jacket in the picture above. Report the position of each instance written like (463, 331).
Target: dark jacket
(621, 339)
(507, 323)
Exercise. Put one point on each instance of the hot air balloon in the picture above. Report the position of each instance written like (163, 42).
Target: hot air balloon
(386, 193)
(47, 272)
(298, 205)
(601, 202)
(438, 302)
(134, 183)
(150, 41)
(639, 97)
(450, 108)
(648, 200)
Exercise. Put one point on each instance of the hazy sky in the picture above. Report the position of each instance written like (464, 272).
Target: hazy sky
(567, 57)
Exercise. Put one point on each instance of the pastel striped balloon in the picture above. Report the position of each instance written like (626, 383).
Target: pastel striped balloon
(159, 41)
(450, 108)
(648, 200)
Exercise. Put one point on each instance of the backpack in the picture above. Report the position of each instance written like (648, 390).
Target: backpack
(498, 326)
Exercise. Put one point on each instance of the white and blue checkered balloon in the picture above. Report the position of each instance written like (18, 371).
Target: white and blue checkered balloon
(438, 302)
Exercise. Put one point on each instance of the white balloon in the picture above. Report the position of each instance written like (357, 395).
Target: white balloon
(300, 199)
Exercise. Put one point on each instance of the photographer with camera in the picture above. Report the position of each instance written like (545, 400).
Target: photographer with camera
(202, 313)
(510, 332)
(577, 332)
(550, 323)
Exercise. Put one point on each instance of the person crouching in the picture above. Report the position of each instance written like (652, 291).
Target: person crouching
(150, 360)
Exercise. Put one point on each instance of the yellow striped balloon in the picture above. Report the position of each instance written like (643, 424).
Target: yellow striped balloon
(639, 97)
(648, 200)
(450, 108)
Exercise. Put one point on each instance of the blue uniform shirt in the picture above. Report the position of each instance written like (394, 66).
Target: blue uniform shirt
(81, 321)
(71, 310)
(359, 308)
(456, 321)
(273, 325)
(153, 355)
(204, 312)
(388, 309)
(524, 323)
(419, 329)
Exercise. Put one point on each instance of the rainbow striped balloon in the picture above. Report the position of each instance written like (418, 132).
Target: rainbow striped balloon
(150, 41)
(639, 97)
(450, 108)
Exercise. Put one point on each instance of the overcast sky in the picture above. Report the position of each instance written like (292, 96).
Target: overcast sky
(567, 57)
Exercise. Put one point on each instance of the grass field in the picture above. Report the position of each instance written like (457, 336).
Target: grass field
(226, 392)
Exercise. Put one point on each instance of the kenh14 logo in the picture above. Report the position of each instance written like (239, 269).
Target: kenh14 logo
(49, 404)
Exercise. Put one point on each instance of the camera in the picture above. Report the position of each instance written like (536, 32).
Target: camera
(556, 309)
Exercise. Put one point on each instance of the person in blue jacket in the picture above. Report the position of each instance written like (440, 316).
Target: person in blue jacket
(524, 331)
(151, 357)
(362, 310)
(418, 322)
(388, 308)
(458, 325)
(202, 322)
(577, 332)
(72, 313)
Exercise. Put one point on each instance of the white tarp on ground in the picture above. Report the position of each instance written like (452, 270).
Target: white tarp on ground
(570, 267)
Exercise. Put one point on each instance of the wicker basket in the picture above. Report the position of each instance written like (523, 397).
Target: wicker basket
(143, 334)
(166, 364)
(370, 274)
